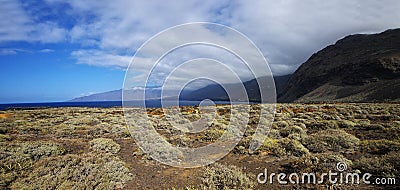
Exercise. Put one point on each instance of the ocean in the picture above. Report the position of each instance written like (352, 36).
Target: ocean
(99, 104)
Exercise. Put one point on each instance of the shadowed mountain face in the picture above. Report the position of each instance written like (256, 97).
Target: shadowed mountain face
(213, 92)
(358, 68)
(217, 92)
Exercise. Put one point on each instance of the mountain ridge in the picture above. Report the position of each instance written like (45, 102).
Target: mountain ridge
(357, 68)
(212, 91)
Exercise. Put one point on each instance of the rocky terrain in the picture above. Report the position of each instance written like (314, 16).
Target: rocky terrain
(73, 148)
(357, 68)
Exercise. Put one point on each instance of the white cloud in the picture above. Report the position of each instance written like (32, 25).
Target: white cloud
(17, 25)
(101, 58)
(190, 55)
(287, 32)
(13, 51)
(46, 50)
(7, 51)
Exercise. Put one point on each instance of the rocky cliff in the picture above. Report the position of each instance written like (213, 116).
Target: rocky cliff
(357, 68)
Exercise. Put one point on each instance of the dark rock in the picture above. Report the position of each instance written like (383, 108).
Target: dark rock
(357, 68)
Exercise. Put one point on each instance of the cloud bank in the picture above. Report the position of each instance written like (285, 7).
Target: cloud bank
(109, 32)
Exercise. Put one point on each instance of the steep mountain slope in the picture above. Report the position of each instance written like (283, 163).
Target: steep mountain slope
(357, 68)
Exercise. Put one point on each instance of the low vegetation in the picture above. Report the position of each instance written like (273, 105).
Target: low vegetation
(104, 145)
(77, 148)
(16, 159)
(317, 163)
(381, 146)
(224, 177)
(86, 171)
(284, 147)
(330, 140)
(383, 166)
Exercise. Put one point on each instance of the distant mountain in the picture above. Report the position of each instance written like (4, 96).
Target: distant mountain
(216, 92)
(213, 92)
(357, 68)
(116, 95)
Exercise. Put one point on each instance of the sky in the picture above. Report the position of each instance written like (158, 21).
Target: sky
(56, 50)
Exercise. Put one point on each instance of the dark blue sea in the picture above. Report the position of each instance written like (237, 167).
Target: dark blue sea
(101, 104)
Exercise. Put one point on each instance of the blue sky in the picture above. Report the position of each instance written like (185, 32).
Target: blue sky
(53, 50)
(36, 72)
(33, 75)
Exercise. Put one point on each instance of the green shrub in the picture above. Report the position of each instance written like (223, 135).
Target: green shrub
(212, 134)
(279, 124)
(317, 163)
(88, 171)
(381, 146)
(275, 134)
(41, 149)
(224, 177)
(369, 127)
(330, 139)
(3, 130)
(180, 140)
(17, 158)
(292, 147)
(186, 188)
(4, 138)
(12, 164)
(383, 166)
(139, 153)
(34, 150)
(323, 125)
(269, 144)
(346, 124)
(293, 131)
(284, 147)
(104, 145)
(89, 121)
(6, 179)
